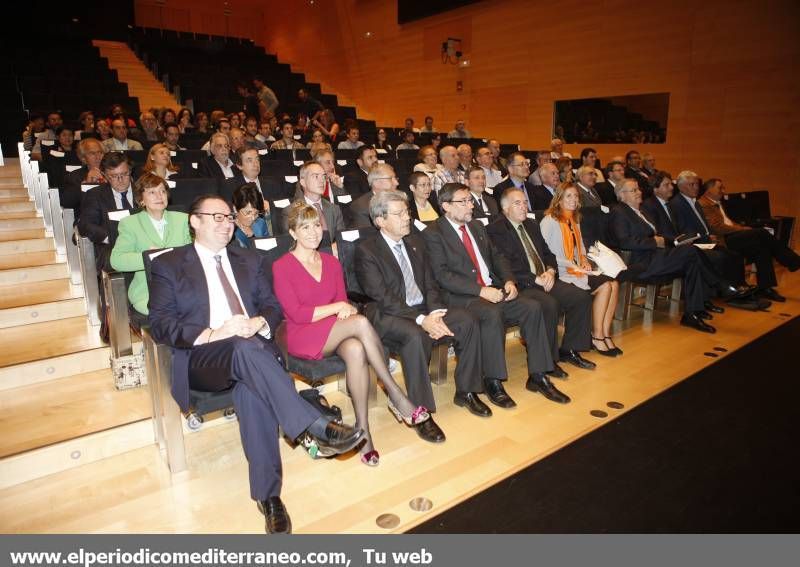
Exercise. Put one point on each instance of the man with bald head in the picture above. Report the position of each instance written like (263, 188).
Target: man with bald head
(381, 178)
(543, 194)
(149, 131)
(464, 152)
(90, 152)
(557, 149)
(450, 172)
(219, 163)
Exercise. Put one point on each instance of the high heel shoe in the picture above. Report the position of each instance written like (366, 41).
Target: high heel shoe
(614, 348)
(420, 414)
(607, 352)
(371, 458)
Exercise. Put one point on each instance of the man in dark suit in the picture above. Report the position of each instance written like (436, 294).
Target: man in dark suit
(689, 219)
(536, 271)
(543, 194)
(381, 178)
(355, 181)
(633, 170)
(214, 306)
(90, 152)
(474, 275)
(651, 257)
(393, 269)
(219, 163)
(484, 204)
(105, 205)
(519, 167)
(657, 206)
(615, 174)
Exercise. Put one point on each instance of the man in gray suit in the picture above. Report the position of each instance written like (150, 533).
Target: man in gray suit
(381, 177)
(312, 187)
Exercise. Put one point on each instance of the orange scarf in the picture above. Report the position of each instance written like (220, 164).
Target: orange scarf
(569, 242)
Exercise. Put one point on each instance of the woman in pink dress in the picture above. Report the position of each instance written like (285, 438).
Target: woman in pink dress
(320, 322)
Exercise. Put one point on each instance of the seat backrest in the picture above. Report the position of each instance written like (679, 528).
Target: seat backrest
(347, 242)
(186, 190)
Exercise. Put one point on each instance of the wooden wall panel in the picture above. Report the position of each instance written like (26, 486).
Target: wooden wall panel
(730, 67)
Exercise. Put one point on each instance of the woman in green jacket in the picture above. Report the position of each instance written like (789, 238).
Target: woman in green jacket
(153, 227)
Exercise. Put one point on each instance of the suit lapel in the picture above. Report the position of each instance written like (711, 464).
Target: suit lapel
(194, 273)
(150, 231)
(241, 273)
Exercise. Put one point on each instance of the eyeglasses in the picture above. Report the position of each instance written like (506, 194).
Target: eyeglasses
(392, 177)
(219, 217)
(526, 163)
(251, 213)
(118, 176)
(402, 214)
(465, 202)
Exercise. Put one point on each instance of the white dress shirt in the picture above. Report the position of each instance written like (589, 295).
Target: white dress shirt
(159, 225)
(486, 275)
(219, 312)
(118, 198)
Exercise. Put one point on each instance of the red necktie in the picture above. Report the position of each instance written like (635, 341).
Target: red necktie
(471, 251)
(328, 191)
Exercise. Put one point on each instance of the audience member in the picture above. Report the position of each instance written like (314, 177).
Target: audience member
(90, 152)
(649, 164)
(327, 124)
(381, 141)
(149, 131)
(589, 159)
(184, 121)
(464, 152)
(500, 162)
(334, 183)
(429, 164)
(352, 142)
(543, 194)
(266, 96)
(536, 270)
(153, 227)
(355, 181)
(587, 179)
(32, 132)
(450, 172)
(381, 178)
(120, 140)
(557, 149)
(249, 207)
(519, 167)
(615, 174)
(477, 277)
(251, 134)
(65, 139)
(224, 336)
(561, 229)
(201, 123)
(486, 162)
(312, 189)
(53, 122)
(218, 164)
(159, 162)
(287, 141)
(320, 322)
(459, 131)
(633, 170)
(171, 136)
(409, 311)
(657, 206)
(423, 205)
(408, 141)
(484, 205)
(409, 126)
(309, 106)
(542, 157)
(755, 244)
(165, 116)
(428, 128)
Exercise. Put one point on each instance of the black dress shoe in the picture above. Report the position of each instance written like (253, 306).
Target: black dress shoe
(749, 303)
(695, 322)
(575, 358)
(473, 403)
(429, 431)
(337, 438)
(497, 394)
(541, 383)
(277, 518)
(704, 315)
(729, 292)
(711, 307)
(770, 294)
(557, 372)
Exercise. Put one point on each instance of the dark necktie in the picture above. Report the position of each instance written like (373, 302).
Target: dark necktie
(413, 294)
(230, 295)
(323, 223)
(699, 212)
(471, 252)
(125, 204)
(533, 256)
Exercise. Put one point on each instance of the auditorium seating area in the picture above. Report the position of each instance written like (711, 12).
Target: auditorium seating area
(202, 71)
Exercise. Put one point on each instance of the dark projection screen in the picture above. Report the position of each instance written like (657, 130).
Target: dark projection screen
(410, 10)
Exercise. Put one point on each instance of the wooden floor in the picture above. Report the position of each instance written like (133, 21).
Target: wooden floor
(134, 492)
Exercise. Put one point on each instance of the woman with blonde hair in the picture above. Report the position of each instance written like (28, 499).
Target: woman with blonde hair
(310, 287)
(561, 229)
(159, 162)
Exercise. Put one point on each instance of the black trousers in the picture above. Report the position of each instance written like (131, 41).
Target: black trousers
(727, 262)
(699, 275)
(414, 346)
(760, 247)
(264, 397)
(493, 317)
(576, 304)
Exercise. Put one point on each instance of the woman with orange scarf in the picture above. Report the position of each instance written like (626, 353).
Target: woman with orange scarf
(561, 230)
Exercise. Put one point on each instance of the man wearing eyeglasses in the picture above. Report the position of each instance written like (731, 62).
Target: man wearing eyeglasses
(519, 167)
(311, 189)
(214, 306)
(380, 178)
(475, 276)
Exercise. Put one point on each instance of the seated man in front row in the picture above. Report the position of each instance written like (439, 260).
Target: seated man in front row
(213, 305)
(536, 271)
(393, 269)
(474, 275)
